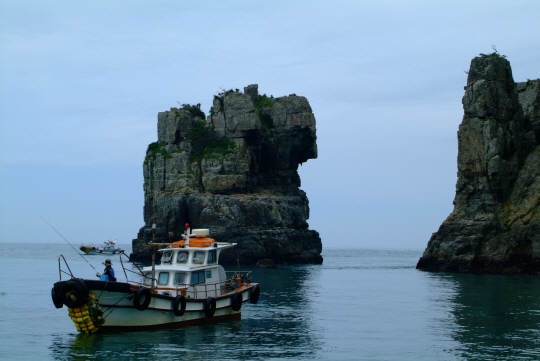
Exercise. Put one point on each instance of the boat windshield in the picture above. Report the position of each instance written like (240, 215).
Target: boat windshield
(167, 256)
(212, 257)
(198, 257)
(180, 278)
(163, 278)
(197, 277)
(182, 257)
(147, 278)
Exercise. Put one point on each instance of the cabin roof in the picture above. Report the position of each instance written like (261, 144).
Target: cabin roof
(182, 247)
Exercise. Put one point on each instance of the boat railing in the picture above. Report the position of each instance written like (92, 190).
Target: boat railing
(60, 270)
(140, 273)
(70, 273)
(202, 290)
(233, 275)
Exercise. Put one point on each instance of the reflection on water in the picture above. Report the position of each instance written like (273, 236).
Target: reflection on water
(493, 317)
(273, 328)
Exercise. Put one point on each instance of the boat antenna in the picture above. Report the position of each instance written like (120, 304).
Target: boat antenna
(70, 244)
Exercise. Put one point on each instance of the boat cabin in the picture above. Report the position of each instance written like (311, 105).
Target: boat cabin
(189, 268)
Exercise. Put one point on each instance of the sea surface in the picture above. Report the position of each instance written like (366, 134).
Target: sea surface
(358, 305)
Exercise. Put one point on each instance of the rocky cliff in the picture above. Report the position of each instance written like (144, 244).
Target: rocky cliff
(495, 225)
(234, 172)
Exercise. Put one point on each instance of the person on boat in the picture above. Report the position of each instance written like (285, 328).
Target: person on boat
(108, 272)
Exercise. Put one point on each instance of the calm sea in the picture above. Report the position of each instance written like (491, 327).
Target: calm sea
(358, 305)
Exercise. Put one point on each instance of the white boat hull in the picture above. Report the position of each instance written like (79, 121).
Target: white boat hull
(131, 319)
(120, 313)
(105, 252)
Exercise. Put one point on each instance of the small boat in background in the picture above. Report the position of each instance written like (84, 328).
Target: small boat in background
(108, 247)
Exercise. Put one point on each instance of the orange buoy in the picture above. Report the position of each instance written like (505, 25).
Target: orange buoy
(199, 242)
(177, 244)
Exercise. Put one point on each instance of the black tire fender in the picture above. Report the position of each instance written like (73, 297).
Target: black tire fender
(210, 306)
(255, 293)
(142, 293)
(179, 305)
(74, 293)
(236, 301)
(57, 299)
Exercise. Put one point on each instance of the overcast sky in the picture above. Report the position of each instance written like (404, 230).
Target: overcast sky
(82, 82)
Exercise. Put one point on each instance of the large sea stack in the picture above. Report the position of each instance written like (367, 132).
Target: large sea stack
(495, 225)
(234, 172)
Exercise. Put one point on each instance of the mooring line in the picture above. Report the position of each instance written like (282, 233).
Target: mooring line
(112, 308)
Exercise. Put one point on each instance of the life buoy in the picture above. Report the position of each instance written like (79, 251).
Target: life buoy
(74, 293)
(210, 307)
(199, 242)
(179, 305)
(255, 293)
(57, 299)
(144, 294)
(236, 301)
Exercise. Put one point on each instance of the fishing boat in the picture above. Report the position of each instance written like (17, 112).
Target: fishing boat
(188, 287)
(108, 247)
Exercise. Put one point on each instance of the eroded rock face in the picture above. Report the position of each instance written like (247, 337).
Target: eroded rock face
(495, 225)
(234, 172)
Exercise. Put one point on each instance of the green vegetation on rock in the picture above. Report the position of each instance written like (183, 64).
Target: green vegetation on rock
(198, 132)
(495, 54)
(220, 147)
(155, 148)
(262, 101)
(194, 110)
(204, 144)
(221, 95)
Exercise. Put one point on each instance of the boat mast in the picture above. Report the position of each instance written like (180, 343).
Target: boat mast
(153, 256)
(188, 231)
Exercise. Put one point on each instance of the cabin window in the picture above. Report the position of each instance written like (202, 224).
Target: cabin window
(180, 278)
(208, 273)
(148, 279)
(198, 257)
(197, 277)
(167, 257)
(212, 257)
(182, 257)
(163, 278)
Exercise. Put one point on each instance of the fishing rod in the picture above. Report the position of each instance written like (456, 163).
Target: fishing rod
(70, 244)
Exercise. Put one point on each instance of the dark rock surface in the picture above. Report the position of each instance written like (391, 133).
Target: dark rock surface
(495, 225)
(234, 172)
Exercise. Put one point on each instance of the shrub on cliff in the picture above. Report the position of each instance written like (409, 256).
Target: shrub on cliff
(154, 148)
(194, 110)
(223, 93)
(204, 142)
(221, 147)
(495, 54)
(262, 101)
